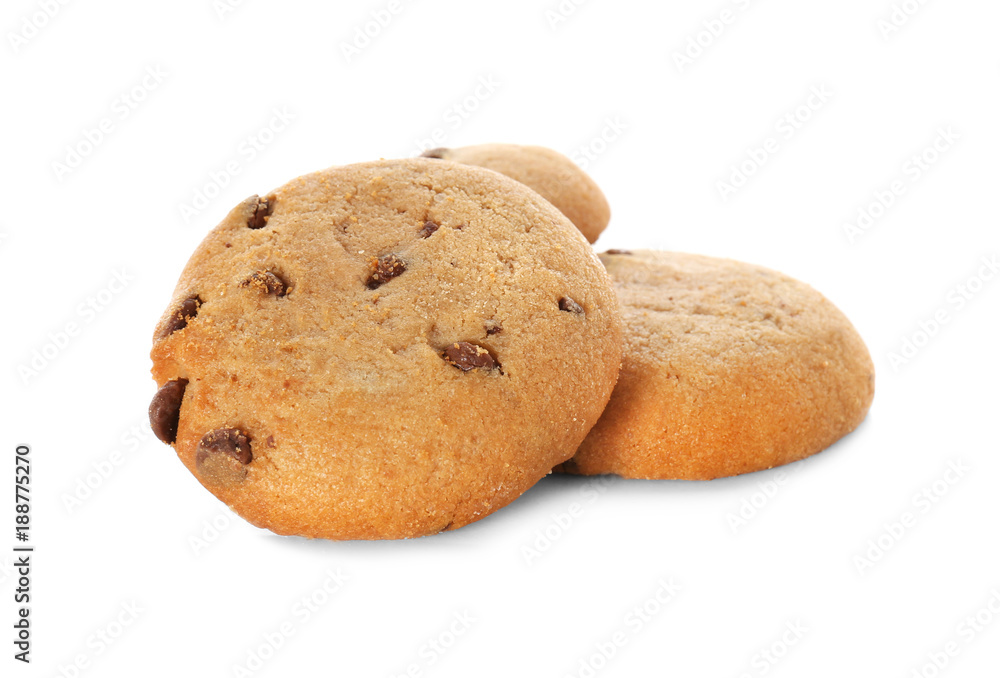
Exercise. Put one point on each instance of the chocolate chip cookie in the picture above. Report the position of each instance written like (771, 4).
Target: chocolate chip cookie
(729, 368)
(384, 350)
(554, 176)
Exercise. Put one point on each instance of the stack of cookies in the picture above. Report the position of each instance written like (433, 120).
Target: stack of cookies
(397, 348)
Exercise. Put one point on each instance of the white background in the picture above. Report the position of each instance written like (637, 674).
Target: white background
(671, 132)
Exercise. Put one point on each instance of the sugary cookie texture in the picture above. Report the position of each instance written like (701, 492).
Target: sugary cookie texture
(384, 350)
(729, 368)
(554, 176)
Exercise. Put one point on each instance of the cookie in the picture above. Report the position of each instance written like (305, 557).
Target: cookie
(554, 176)
(729, 368)
(384, 350)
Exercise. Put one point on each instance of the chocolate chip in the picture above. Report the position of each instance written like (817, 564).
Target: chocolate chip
(225, 441)
(266, 282)
(428, 229)
(165, 410)
(436, 153)
(493, 327)
(570, 306)
(270, 441)
(618, 252)
(261, 212)
(179, 320)
(466, 356)
(386, 268)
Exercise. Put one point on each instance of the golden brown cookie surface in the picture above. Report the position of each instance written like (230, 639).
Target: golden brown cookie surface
(729, 368)
(381, 350)
(551, 174)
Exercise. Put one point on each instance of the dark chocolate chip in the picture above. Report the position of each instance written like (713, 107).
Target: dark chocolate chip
(179, 320)
(570, 306)
(261, 212)
(436, 153)
(266, 282)
(270, 441)
(386, 268)
(466, 356)
(226, 441)
(165, 410)
(618, 252)
(428, 229)
(493, 327)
